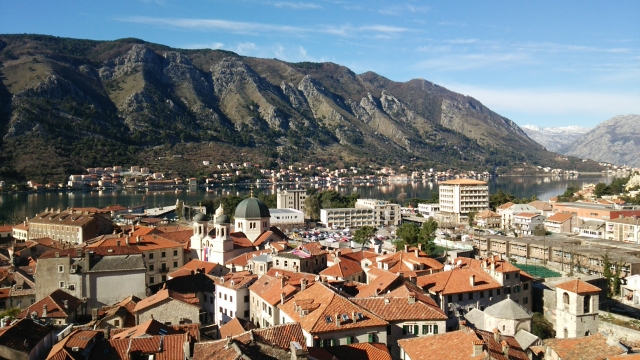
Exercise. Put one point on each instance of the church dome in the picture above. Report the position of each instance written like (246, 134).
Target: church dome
(252, 208)
(222, 219)
(200, 217)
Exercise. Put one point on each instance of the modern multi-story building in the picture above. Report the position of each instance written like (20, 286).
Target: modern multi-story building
(428, 210)
(625, 229)
(460, 197)
(291, 199)
(384, 212)
(347, 217)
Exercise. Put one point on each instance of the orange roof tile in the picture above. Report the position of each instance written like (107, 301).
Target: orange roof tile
(410, 265)
(195, 265)
(505, 206)
(592, 347)
(360, 351)
(237, 280)
(235, 326)
(560, 217)
(526, 215)
(457, 281)
(579, 287)
(55, 306)
(77, 339)
(342, 269)
(323, 303)
(242, 260)
(165, 347)
(271, 288)
(161, 296)
(400, 308)
(143, 243)
(293, 278)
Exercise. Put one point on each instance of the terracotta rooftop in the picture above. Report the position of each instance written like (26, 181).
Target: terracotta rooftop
(317, 307)
(24, 335)
(271, 288)
(81, 339)
(342, 269)
(409, 264)
(360, 255)
(579, 287)
(526, 215)
(541, 205)
(62, 218)
(400, 308)
(360, 351)
(242, 260)
(383, 281)
(55, 304)
(150, 327)
(235, 326)
(163, 347)
(293, 278)
(592, 347)
(236, 280)
(560, 217)
(486, 214)
(165, 294)
(457, 281)
(502, 266)
(505, 206)
(195, 265)
(279, 336)
(143, 243)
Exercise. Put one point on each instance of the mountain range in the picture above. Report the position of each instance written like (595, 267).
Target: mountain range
(555, 138)
(69, 104)
(616, 141)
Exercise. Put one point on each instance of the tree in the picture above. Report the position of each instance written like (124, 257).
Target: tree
(312, 207)
(601, 189)
(401, 198)
(427, 234)
(472, 217)
(541, 327)
(364, 234)
(409, 233)
(612, 275)
(539, 230)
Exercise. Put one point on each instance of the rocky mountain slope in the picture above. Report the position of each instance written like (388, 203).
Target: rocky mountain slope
(554, 138)
(69, 104)
(615, 141)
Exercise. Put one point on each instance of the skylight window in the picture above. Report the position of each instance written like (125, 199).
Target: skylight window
(328, 319)
(345, 317)
(359, 316)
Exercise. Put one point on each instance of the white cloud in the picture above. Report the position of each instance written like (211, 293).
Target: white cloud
(213, 24)
(551, 101)
(402, 9)
(297, 5)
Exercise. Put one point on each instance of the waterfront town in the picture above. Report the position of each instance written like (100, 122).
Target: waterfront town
(452, 279)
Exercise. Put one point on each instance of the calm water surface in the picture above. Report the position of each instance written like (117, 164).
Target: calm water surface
(540, 186)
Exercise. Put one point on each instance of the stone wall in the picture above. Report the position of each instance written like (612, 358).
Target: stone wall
(618, 332)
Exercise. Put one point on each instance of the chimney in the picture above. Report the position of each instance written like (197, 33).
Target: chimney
(282, 299)
(505, 348)
(107, 333)
(406, 247)
(412, 298)
(353, 317)
(66, 304)
(472, 280)
(117, 242)
(493, 265)
(417, 252)
(44, 310)
(282, 282)
(133, 228)
(337, 319)
(496, 335)
(228, 344)
(478, 347)
(303, 284)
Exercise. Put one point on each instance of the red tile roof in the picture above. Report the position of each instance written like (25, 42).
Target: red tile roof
(400, 308)
(407, 263)
(560, 217)
(592, 347)
(322, 304)
(236, 280)
(166, 347)
(343, 269)
(505, 206)
(194, 265)
(457, 281)
(293, 278)
(526, 215)
(360, 351)
(143, 243)
(161, 296)
(55, 306)
(235, 326)
(271, 288)
(579, 287)
(242, 260)
(81, 339)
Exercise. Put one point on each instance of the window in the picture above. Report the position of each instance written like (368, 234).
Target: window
(151, 280)
(150, 256)
(450, 298)
(61, 284)
(230, 297)
(525, 286)
(72, 287)
(116, 322)
(225, 296)
(246, 313)
(459, 297)
(516, 289)
(60, 268)
(220, 295)
(285, 263)
(490, 292)
(211, 300)
(163, 254)
(246, 298)
(372, 337)
(435, 329)
(175, 264)
(349, 339)
(481, 294)
(175, 252)
(277, 262)
(230, 313)
(516, 275)
(525, 301)
(151, 267)
(470, 296)
(587, 304)
(498, 292)
(506, 276)
(220, 308)
(164, 278)
(426, 329)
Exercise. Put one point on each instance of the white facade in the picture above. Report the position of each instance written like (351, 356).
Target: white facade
(291, 199)
(429, 210)
(509, 213)
(347, 217)
(231, 303)
(385, 213)
(286, 217)
(460, 197)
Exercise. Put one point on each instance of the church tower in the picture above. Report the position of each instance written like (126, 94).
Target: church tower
(200, 230)
(221, 243)
(252, 218)
(576, 309)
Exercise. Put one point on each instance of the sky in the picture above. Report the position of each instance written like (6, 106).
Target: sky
(555, 63)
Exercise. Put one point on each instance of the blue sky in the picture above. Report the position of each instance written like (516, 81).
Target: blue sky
(544, 63)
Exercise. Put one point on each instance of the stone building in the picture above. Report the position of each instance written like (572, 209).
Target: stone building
(169, 308)
(576, 309)
(67, 226)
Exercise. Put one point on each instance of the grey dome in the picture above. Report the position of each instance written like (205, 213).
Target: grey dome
(507, 309)
(222, 219)
(200, 217)
(252, 208)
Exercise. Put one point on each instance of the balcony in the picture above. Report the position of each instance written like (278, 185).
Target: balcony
(163, 270)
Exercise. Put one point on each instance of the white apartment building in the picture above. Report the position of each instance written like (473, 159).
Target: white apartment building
(525, 223)
(429, 210)
(625, 229)
(291, 199)
(280, 217)
(347, 217)
(232, 296)
(385, 213)
(459, 197)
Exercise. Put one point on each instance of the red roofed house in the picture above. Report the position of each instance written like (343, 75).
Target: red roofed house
(266, 293)
(329, 319)
(361, 351)
(561, 222)
(576, 309)
(462, 345)
(408, 317)
(232, 296)
(168, 307)
(309, 258)
(75, 345)
(410, 263)
(59, 307)
(6, 231)
(594, 347)
(344, 269)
